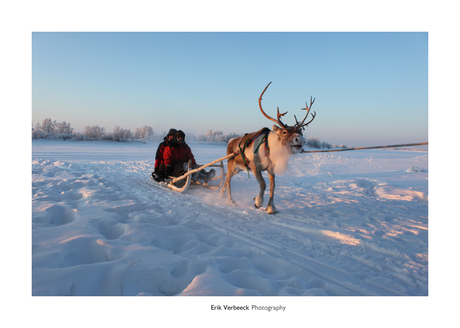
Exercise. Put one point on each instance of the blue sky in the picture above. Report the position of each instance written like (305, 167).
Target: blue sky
(370, 88)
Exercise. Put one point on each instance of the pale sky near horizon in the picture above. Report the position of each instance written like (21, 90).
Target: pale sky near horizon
(370, 88)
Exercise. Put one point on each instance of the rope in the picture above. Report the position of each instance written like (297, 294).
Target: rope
(359, 148)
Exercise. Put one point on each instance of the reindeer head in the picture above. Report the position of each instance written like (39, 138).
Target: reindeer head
(290, 136)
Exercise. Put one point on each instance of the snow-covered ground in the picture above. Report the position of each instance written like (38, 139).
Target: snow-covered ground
(349, 223)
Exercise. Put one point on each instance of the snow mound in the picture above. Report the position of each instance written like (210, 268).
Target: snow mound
(415, 169)
(347, 226)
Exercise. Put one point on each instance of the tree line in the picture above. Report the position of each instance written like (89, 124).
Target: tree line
(49, 129)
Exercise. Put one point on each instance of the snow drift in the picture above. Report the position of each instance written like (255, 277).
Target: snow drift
(349, 224)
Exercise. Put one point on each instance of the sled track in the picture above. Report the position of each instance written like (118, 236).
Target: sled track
(317, 268)
(145, 190)
(320, 269)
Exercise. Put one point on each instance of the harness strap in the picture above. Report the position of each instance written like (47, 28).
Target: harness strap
(246, 143)
(264, 139)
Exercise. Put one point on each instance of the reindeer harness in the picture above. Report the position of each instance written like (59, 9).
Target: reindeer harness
(247, 141)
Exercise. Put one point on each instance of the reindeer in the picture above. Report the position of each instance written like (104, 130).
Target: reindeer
(265, 150)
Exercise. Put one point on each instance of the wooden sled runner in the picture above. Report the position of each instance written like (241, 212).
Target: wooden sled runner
(178, 184)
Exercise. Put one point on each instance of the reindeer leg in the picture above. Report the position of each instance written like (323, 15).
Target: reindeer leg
(271, 209)
(222, 190)
(230, 199)
(231, 171)
(258, 201)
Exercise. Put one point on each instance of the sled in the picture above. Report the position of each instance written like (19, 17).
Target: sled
(179, 187)
(178, 184)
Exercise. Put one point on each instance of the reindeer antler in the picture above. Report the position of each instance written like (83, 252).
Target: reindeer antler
(302, 125)
(278, 120)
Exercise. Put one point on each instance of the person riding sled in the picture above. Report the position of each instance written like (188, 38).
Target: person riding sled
(176, 156)
(159, 171)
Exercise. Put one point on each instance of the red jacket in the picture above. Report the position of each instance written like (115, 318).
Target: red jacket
(177, 152)
(159, 154)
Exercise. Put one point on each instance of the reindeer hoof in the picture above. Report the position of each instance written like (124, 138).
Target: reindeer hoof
(271, 210)
(257, 202)
(231, 202)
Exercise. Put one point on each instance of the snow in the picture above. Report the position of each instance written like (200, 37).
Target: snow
(349, 224)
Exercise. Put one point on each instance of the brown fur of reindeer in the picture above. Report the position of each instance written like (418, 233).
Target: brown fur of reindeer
(265, 150)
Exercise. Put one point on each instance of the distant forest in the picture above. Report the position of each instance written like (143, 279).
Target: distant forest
(49, 129)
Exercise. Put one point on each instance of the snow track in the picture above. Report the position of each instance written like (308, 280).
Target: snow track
(279, 245)
(339, 235)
